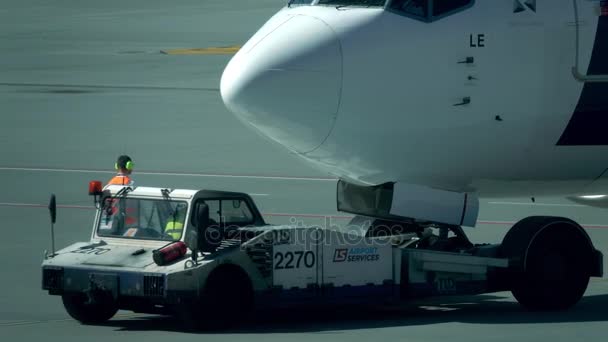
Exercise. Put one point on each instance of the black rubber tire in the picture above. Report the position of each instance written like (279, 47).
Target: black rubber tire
(556, 271)
(77, 307)
(227, 300)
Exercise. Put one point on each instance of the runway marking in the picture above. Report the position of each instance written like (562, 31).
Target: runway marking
(320, 216)
(34, 205)
(19, 323)
(338, 217)
(176, 174)
(105, 86)
(498, 223)
(225, 50)
(539, 204)
(87, 207)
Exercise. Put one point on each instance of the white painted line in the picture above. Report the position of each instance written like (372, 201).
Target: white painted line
(53, 170)
(67, 206)
(176, 174)
(14, 324)
(318, 216)
(236, 176)
(106, 86)
(18, 323)
(33, 205)
(538, 204)
(259, 194)
(498, 223)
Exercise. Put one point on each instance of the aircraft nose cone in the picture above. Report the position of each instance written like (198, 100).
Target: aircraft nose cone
(288, 83)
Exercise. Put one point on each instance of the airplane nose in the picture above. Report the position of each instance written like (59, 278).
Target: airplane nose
(288, 83)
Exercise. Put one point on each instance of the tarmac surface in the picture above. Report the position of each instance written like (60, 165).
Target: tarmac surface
(84, 81)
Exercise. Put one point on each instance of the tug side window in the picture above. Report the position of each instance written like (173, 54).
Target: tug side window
(429, 10)
(229, 212)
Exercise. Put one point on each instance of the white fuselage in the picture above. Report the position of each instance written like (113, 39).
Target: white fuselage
(371, 96)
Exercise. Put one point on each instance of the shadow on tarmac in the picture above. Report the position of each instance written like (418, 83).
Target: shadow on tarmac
(481, 309)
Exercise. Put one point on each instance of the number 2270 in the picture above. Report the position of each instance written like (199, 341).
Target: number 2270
(291, 260)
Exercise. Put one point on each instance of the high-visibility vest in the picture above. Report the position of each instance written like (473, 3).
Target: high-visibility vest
(121, 180)
(174, 229)
(130, 219)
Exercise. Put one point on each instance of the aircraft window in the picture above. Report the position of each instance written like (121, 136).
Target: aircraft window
(353, 2)
(441, 7)
(417, 8)
(299, 2)
(429, 10)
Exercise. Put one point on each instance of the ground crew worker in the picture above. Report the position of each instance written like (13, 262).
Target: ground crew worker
(124, 167)
(123, 210)
(175, 224)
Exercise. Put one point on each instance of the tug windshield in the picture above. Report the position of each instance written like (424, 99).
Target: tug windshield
(135, 218)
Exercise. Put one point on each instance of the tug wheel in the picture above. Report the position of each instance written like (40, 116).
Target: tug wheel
(226, 301)
(551, 260)
(79, 308)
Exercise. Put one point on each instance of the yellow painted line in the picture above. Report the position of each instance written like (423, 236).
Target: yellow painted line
(226, 50)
